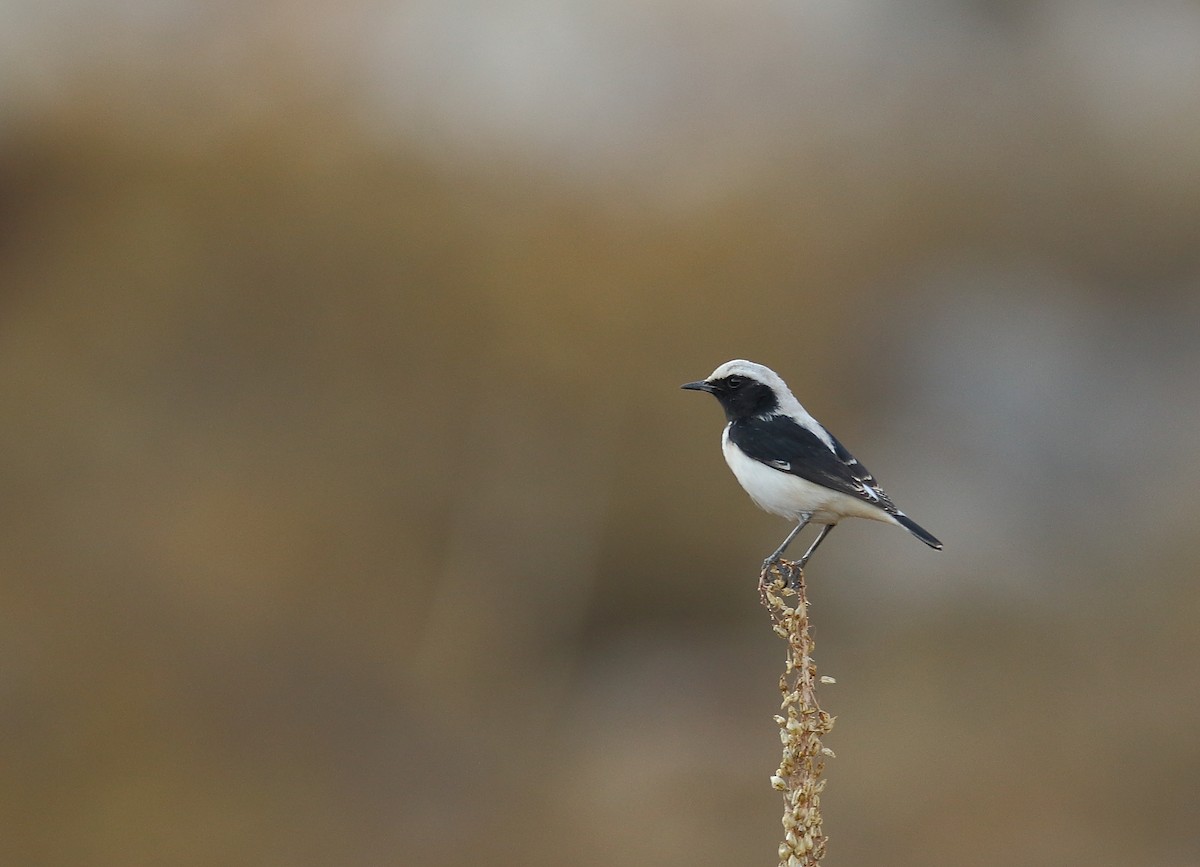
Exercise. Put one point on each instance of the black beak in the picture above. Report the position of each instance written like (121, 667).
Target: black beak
(698, 386)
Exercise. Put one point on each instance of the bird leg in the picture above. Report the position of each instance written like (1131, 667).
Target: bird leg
(805, 517)
(817, 541)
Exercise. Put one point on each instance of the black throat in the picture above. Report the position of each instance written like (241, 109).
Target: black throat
(746, 399)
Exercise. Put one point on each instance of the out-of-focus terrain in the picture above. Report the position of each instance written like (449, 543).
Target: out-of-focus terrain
(355, 516)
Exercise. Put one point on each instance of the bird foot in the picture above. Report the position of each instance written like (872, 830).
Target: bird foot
(788, 572)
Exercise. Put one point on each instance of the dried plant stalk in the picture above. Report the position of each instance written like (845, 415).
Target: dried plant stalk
(802, 723)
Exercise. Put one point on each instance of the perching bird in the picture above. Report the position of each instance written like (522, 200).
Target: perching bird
(788, 463)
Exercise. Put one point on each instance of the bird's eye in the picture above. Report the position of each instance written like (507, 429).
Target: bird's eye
(734, 381)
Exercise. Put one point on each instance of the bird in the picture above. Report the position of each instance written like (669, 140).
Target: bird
(788, 463)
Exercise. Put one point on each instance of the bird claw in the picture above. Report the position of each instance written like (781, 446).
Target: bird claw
(788, 573)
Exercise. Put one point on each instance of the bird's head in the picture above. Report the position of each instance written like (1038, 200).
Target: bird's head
(745, 389)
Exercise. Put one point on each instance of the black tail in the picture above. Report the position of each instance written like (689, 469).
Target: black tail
(917, 530)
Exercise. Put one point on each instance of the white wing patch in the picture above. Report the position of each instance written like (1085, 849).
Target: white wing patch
(870, 493)
(780, 465)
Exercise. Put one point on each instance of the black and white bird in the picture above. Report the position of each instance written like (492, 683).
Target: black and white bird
(788, 463)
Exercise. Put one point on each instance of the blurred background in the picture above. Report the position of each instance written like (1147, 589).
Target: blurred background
(355, 515)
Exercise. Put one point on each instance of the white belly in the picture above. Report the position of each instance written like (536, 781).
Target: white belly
(790, 496)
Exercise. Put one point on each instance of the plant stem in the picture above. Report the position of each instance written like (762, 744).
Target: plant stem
(802, 723)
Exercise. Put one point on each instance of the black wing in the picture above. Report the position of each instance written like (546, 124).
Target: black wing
(781, 443)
